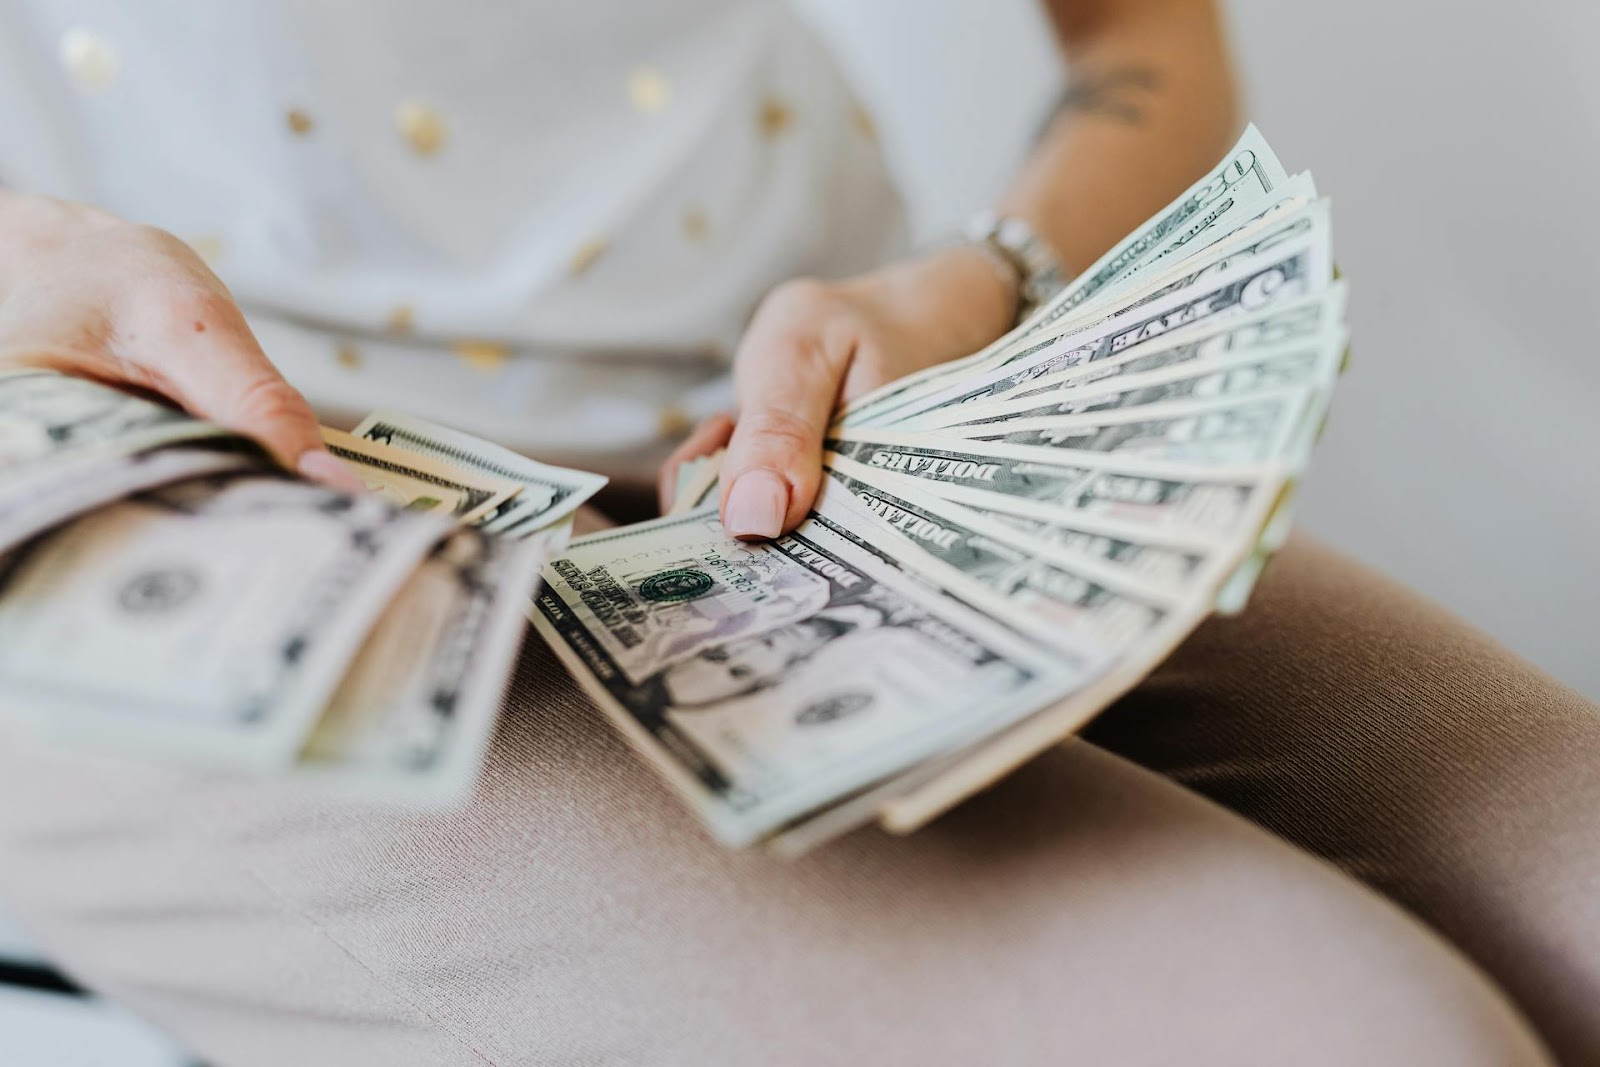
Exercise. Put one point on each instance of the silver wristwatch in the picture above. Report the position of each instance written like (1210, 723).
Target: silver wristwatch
(1038, 271)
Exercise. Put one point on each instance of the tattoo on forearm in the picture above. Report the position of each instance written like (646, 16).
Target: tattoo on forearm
(1119, 93)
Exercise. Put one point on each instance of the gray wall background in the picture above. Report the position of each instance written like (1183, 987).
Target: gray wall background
(1460, 143)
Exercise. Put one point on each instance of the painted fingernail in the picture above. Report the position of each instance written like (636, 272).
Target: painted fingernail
(756, 505)
(328, 469)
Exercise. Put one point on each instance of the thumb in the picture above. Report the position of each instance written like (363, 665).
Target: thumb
(773, 464)
(234, 384)
(270, 410)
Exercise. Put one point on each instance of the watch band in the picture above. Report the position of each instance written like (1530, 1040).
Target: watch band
(1039, 275)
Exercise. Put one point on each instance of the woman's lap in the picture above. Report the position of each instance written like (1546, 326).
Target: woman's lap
(1084, 909)
(1368, 726)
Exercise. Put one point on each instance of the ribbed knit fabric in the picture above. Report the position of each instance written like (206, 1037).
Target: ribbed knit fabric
(1084, 911)
(1376, 730)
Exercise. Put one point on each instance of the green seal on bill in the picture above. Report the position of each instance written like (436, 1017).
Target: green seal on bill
(681, 583)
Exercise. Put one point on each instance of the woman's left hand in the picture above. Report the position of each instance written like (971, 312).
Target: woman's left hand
(813, 345)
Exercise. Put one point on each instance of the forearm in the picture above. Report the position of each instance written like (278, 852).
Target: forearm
(1150, 106)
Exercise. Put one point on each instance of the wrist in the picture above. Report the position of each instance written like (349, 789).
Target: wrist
(992, 278)
(954, 299)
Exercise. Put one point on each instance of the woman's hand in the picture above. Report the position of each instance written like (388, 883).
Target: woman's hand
(813, 345)
(88, 294)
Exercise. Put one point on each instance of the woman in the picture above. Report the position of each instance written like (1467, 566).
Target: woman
(544, 222)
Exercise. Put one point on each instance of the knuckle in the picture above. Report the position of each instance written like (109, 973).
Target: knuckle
(154, 240)
(270, 400)
(815, 354)
(779, 429)
(802, 297)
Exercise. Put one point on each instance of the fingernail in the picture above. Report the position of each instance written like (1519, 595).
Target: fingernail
(328, 469)
(756, 505)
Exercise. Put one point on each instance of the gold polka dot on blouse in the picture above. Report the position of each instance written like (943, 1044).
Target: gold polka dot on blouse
(421, 126)
(94, 64)
(648, 91)
(90, 61)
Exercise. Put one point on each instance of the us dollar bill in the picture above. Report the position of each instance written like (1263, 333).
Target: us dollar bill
(420, 483)
(46, 417)
(545, 494)
(413, 715)
(1306, 321)
(1095, 483)
(1165, 499)
(697, 486)
(1279, 223)
(551, 539)
(1315, 363)
(1059, 595)
(1291, 261)
(1247, 182)
(207, 620)
(1200, 241)
(1175, 558)
(33, 501)
(1142, 643)
(770, 680)
(1266, 427)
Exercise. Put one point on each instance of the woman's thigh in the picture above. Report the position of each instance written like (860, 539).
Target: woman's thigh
(1382, 733)
(1084, 911)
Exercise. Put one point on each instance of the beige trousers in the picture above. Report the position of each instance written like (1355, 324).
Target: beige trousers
(1102, 906)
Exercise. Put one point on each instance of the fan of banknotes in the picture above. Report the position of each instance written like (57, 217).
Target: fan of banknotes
(166, 592)
(1003, 544)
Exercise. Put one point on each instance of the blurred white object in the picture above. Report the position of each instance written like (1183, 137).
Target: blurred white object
(56, 1030)
(48, 1030)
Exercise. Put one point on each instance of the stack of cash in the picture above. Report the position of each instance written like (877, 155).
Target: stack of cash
(1003, 544)
(166, 592)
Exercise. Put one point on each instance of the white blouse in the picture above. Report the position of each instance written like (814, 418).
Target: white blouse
(543, 221)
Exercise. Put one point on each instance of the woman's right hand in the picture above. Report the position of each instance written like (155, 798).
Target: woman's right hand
(87, 294)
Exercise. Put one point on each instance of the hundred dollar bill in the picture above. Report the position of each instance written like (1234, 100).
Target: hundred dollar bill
(418, 482)
(1304, 320)
(1058, 594)
(1234, 375)
(35, 500)
(413, 715)
(1171, 499)
(545, 493)
(1282, 270)
(209, 619)
(46, 417)
(1243, 185)
(769, 680)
